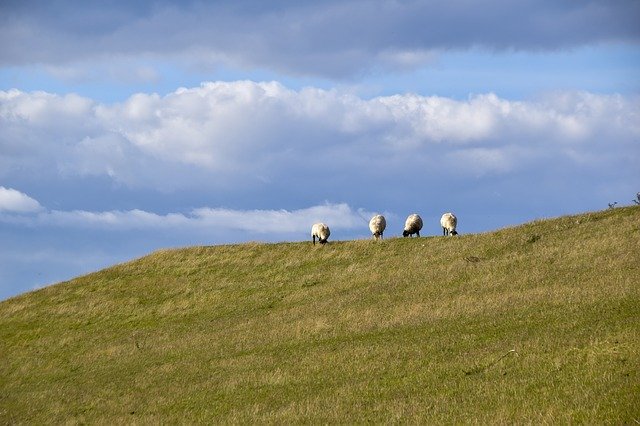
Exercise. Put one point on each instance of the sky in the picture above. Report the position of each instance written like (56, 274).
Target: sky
(128, 127)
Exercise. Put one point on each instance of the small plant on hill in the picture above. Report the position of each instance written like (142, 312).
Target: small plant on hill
(612, 205)
(637, 200)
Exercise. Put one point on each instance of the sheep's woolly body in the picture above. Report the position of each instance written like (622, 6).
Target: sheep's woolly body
(377, 225)
(448, 221)
(321, 231)
(412, 225)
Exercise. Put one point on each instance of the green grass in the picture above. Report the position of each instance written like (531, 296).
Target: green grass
(536, 323)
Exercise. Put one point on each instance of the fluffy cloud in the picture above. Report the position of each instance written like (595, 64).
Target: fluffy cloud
(15, 201)
(240, 134)
(204, 220)
(334, 38)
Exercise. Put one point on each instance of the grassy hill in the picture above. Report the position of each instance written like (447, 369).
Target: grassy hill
(536, 323)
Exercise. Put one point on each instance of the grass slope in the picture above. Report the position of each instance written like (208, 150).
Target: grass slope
(536, 323)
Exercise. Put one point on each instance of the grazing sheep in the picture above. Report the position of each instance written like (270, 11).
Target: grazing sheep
(321, 231)
(448, 221)
(412, 225)
(377, 224)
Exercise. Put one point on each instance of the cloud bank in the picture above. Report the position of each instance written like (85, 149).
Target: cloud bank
(329, 38)
(243, 136)
(205, 220)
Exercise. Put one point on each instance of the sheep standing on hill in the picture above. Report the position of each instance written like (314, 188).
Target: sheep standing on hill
(448, 221)
(377, 224)
(412, 225)
(321, 231)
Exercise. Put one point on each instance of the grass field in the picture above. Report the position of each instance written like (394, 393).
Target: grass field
(535, 323)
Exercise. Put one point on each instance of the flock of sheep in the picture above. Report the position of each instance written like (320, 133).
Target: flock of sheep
(378, 223)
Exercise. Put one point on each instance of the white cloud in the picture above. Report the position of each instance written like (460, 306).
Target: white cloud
(339, 216)
(235, 134)
(15, 201)
(45, 110)
(206, 220)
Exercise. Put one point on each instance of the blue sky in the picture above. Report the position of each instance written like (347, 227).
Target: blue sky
(129, 128)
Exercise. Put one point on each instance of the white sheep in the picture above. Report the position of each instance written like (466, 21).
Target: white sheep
(448, 221)
(412, 225)
(321, 231)
(377, 224)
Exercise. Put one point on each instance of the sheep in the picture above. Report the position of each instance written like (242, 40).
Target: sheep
(448, 221)
(377, 224)
(412, 225)
(321, 231)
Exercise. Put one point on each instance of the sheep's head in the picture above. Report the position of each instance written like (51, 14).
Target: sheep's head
(454, 232)
(405, 233)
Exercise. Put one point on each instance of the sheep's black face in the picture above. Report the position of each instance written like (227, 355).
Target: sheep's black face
(323, 241)
(454, 233)
(405, 233)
